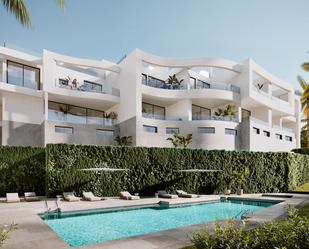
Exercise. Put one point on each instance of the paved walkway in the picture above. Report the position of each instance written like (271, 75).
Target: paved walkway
(33, 233)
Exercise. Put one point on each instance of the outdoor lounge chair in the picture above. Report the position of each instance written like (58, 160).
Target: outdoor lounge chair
(127, 196)
(164, 194)
(69, 196)
(184, 194)
(89, 196)
(12, 197)
(31, 196)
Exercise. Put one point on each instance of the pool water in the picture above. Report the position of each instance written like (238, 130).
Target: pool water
(79, 230)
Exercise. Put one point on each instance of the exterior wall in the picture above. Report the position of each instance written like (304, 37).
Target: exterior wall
(25, 111)
(82, 134)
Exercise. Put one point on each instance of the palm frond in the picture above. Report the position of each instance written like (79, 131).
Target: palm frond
(302, 83)
(305, 66)
(19, 10)
(61, 3)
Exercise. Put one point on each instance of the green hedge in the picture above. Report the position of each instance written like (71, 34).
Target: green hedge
(151, 169)
(22, 169)
(304, 151)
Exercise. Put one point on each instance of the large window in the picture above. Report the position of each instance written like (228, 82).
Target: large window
(23, 75)
(150, 129)
(104, 133)
(200, 113)
(76, 114)
(153, 111)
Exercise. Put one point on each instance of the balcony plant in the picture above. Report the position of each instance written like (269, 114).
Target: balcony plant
(111, 115)
(240, 177)
(123, 141)
(180, 141)
(229, 111)
(173, 82)
(228, 180)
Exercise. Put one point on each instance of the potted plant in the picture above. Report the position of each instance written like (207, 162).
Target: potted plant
(228, 179)
(240, 177)
(174, 82)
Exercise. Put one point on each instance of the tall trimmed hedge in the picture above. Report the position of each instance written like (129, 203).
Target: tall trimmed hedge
(152, 169)
(22, 169)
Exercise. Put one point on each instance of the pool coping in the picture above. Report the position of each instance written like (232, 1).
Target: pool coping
(35, 234)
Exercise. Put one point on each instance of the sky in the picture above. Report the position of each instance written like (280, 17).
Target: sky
(271, 32)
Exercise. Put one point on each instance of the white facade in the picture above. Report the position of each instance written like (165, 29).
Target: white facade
(61, 99)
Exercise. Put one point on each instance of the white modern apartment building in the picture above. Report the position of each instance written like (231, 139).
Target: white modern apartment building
(56, 98)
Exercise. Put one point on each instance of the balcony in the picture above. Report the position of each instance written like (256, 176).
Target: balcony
(269, 96)
(157, 83)
(87, 86)
(160, 117)
(55, 115)
(216, 118)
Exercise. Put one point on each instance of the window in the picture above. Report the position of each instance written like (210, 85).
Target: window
(288, 138)
(64, 129)
(150, 129)
(104, 133)
(230, 132)
(153, 111)
(76, 114)
(199, 112)
(23, 75)
(256, 130)
(207, 130)
(202, 84)
(171, 130)
(278, 136)
(144, 79)
(266, 133)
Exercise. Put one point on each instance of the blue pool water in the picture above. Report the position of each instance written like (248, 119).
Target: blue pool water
(81, 229)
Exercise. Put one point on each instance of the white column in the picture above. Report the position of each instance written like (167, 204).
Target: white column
(270, 117)
(45, 106)
(4, 68)
(270, 93)
(239, 116)
(280, 123)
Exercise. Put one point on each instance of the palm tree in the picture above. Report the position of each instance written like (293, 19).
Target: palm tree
(123, 141)
(173, 80)
(304, 99)
(178, 140)
(19, 9)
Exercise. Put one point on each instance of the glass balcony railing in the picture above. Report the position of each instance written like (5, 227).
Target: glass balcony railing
(70, 118)
(213, 117)
(267, 95)
(157, 83)
(87, 86)
(160, 117)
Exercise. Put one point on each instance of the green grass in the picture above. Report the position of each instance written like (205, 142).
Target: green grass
(304, 187)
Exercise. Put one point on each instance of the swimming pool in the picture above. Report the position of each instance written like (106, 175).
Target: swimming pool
(86, 228)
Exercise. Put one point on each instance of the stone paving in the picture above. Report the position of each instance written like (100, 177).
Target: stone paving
(33, 233)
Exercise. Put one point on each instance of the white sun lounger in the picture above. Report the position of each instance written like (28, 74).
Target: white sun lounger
(184, 194)
(12, 197)
(69, 196)
(89, 196)
(164, 194)
(127, 196)
(31, 196)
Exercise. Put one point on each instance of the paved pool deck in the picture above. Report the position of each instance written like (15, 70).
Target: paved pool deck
(33, 233)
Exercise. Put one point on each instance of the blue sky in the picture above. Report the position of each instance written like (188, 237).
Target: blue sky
(272, 32)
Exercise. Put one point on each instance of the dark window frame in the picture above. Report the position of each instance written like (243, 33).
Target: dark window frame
(288, 138)
(201, 107)
(152, 109)
(278, 136)
(23, 67)
(151, 126)
(257, 130)
(87, 109)
(266, 133)
(230, 129)
(64, 127)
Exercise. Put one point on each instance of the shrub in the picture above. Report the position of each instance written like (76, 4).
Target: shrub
(4, 233)
(22, 169)
(292, 232)
(304, 151)
(152, 169)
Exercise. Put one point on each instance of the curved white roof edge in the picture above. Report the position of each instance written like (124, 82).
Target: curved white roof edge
(269, 76)
(99, 64)
(188, 62)
(19, 54)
